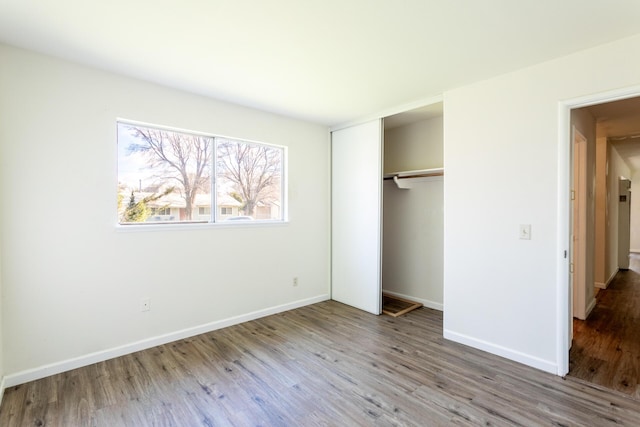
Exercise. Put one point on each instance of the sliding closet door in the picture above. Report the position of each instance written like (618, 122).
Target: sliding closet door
(356, 207)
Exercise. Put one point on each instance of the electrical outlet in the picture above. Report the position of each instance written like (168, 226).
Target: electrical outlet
(145, 304)
(295, 281)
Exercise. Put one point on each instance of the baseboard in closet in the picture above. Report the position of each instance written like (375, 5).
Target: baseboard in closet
(425, 302)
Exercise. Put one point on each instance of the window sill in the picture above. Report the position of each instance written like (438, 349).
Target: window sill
(199, 225)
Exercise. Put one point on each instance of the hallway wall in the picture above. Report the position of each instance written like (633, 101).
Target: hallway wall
(635, 212)
(617, 169)
(601, 216)
(585, 123)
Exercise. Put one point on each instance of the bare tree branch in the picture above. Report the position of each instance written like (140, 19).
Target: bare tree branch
(254, 169)
(179, 156)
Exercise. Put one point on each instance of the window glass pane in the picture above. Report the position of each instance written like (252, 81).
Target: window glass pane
(163, 175)
(249, 181)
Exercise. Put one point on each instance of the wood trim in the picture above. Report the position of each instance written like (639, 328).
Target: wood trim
(425, 302)
(412, 305)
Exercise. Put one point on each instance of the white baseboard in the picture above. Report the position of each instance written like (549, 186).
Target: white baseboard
(590, 307)
(2, 387)
(610, 279)
(526, 359)
(425, 302)
(100, 356)
(608, 282)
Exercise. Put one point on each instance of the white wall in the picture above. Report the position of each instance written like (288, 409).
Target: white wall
(617, 168)
(72, 283)
(413, 228)
(412, 265)
(601, 215)
(1, 322)
(585, 123)
(504, 167)
(635, 212)
(415, 146)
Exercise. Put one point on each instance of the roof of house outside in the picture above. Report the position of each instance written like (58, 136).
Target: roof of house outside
(175, 200)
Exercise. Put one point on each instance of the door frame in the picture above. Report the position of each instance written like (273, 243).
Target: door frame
(564, 313)
(578, 248)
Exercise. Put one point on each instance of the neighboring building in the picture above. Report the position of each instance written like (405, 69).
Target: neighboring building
(172, 207)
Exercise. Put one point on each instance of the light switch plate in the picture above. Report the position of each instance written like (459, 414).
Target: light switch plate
(525, 231)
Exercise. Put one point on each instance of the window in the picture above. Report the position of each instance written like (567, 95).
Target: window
(169, 176)
(160, 211)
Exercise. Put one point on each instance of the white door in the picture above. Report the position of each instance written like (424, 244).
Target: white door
(356, 216)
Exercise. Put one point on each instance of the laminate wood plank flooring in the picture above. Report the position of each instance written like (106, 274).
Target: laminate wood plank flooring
(322, 365)
(606, 346)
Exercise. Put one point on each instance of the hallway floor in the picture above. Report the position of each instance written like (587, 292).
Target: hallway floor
(606, 346)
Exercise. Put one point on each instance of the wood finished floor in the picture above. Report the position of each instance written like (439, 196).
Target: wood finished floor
(606, 346)
(326, 364)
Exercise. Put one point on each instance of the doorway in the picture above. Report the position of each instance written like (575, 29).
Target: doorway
(603, 352)
(606, 348)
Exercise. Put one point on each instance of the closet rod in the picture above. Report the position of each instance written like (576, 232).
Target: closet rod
(424, 175)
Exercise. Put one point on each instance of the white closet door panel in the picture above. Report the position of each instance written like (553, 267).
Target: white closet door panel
(356, 216)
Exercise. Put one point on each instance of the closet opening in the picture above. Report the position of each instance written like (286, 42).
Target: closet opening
(412, 209)
(387, 214)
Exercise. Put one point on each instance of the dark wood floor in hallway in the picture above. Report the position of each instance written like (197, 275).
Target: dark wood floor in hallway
(326, 364)
(606, 346)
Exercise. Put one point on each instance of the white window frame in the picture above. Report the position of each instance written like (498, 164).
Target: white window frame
(156, 225)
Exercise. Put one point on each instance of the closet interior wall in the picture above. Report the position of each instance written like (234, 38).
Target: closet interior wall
(413, 219)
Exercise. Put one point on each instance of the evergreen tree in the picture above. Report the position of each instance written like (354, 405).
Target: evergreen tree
(139, 211)
(136, 211)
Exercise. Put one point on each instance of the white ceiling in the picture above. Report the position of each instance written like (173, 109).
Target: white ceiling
(328, 61)
(620, 122)
(629, 150)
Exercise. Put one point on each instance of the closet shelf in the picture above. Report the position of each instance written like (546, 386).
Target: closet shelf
(409, 175)
(418, 173)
